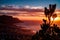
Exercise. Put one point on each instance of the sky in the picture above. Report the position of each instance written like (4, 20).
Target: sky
(43, 3)
(33, 9)
(29, 5)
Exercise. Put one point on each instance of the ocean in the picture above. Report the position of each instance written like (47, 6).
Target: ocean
(32, 25)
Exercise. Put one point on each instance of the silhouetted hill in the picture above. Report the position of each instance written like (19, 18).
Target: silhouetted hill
(7, 28)
(8, 19)
(9, 31)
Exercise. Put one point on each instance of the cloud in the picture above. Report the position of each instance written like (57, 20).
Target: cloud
(24, 8)
(21, 11)
(33, 7)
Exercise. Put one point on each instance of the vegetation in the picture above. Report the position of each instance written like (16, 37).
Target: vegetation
(48, 32)
(50, 12)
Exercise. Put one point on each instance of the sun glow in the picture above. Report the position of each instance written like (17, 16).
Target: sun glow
(51, 19)
(56, 19)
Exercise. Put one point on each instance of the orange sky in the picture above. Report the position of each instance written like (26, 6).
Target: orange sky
(24, 15)
(38, 16)
(31, 16)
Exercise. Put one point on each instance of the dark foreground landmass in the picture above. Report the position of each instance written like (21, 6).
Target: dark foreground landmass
(9, 31)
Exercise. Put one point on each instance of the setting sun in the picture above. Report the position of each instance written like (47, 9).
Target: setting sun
(54, 19)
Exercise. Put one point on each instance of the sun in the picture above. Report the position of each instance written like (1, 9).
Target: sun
(54, 19)
(51, 19)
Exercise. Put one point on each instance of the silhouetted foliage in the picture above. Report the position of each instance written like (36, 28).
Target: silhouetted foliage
(52, 8)
(56, 29)
(49, 12)
(44, 26)
(54, 16)
(36, 36)
(47, 31)
(46, 11)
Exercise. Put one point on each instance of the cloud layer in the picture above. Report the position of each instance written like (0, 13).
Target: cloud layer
(22, 11)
